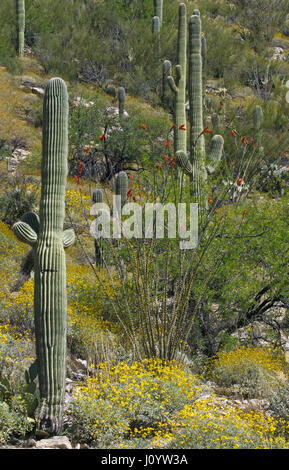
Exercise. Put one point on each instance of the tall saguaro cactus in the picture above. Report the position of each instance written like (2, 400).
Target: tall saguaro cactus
(20, 13)
(194, 164)
(179, 86)
(48, 240)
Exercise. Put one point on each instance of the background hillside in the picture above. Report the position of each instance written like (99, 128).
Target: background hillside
(223, 382)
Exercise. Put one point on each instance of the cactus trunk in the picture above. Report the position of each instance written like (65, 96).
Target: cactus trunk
(50, 303)
(158, 9)
(194, 164)
(20, 11)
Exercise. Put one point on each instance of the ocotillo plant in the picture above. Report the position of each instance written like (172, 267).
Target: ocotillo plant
(194, 164)
(166, 72)
(121, 101)
(158, 9)
(97, 197)
(20, 13)
(48, 240)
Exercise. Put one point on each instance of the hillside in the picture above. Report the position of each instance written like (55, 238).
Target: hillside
(131, 341)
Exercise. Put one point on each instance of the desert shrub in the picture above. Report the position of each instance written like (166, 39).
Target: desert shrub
(253, 372)
(211, 423)
(16, 201)
(13, 421)
(131, 402)
(16, 354)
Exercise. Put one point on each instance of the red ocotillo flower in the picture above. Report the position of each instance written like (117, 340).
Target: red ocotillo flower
(244, 213)
(240, 181)
(159, 165)
(234, 134)
(206, 131)
(102, 137)
(77, 179)
(167, 143)
(173, 126)
(143, 126)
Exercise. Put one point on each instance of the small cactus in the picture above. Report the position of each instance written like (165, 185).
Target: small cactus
(121, 100)
(121, 186)
(166, 72)
(97, 198)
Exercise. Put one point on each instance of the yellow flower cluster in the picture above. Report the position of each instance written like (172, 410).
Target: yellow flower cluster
(130, 389)
(242, 358)
(77, 202)
(213, 423)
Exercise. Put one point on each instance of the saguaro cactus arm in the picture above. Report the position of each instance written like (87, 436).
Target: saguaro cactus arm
(215, 153)
(25, 233)
(184, 162)
(68, 238)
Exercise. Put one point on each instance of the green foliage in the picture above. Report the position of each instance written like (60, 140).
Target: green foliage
(13, 422)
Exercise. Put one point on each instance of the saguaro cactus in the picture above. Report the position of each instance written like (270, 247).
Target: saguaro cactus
(121, 100)
(166, 71)
(97, 197)
(48, 240)
(179, 86)
(158, 9)
(20, 12)
(121, 186)
(194, 164)
(258, 117)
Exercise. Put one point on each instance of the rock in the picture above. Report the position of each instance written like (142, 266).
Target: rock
(37, 91)
(242, 93)
(81, 363)
(56, 442)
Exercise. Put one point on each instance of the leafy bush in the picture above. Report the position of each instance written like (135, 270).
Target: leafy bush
(252, 372)
(13, 422)
(211, 423)
(131, 402)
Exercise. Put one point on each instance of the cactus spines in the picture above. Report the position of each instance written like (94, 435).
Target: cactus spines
(166, 70)
(121, 100)
(97, 198)
(20, 11)
(179, 86)
(195, 164)
(158, 9)
(48, 239)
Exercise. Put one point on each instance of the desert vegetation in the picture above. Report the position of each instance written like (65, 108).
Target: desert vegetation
(144, 339)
